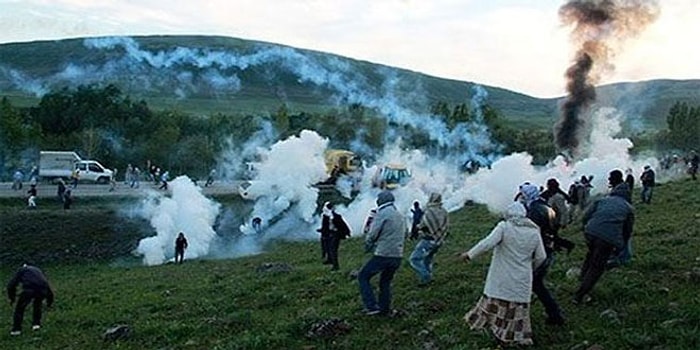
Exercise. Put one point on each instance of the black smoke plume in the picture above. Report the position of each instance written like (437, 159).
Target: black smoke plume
(599, 28)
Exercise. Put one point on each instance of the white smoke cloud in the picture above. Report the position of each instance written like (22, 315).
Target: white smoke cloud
(187, 210)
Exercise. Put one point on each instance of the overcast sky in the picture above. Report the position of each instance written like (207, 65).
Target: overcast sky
(515, 44)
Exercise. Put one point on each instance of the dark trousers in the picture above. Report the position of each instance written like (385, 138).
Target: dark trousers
(386, 267)
(333, 245)
(24, 299)
(179, 255)
(599, 252)
(325, 248)
(543, 294)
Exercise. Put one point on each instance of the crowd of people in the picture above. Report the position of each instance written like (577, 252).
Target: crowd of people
(524, 246)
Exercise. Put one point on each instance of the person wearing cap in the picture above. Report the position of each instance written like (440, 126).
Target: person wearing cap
(432, 229)
(35, 289)
(385, 240)
(608, 228)
(541, 214)
(504, 307)
(648, 179)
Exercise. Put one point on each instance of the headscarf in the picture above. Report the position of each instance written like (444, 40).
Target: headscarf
(530, 193)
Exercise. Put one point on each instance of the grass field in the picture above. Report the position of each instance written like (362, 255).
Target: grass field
(271, 301)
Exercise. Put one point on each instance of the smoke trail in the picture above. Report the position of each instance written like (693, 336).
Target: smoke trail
(600, 28)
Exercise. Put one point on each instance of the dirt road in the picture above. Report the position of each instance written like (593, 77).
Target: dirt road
(45, 190)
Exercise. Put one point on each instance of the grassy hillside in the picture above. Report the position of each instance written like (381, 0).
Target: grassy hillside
(266, 81)
(271, 301)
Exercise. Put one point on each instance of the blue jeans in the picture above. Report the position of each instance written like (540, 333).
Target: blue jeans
(421, 259)
(387, 267)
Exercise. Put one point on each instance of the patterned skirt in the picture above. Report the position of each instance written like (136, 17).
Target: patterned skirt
(508, 322)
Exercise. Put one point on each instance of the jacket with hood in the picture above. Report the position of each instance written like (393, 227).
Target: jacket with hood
(33, 282)
(388, 229)
(435, 219)
(517, 251)
(611, 218)
(540, 213)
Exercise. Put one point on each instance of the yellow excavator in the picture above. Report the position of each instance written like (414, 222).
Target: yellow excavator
(339, 163)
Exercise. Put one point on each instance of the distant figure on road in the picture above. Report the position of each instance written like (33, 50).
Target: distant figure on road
(31, 200)
(210, 178)
(113, 180)
(180, 246)
(17, 178)
(35, 288)
(75, 177)
(61, 190)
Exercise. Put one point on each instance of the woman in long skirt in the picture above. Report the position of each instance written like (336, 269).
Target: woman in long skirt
(504, 308)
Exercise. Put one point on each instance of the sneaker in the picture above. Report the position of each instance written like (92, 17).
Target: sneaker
(14, 333)
(36, 327)
(372, 312)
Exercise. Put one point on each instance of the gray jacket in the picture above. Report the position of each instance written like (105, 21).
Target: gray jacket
(611, 218)
(387, 232)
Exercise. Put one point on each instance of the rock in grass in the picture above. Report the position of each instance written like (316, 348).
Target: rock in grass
(118, 332)
(573, 273)
(329, 328)
(274, 268)
(611, 315)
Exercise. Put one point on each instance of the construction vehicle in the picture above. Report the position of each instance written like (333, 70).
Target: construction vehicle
(342, 163)
(391, 176)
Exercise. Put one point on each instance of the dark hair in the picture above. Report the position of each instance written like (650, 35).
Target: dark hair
(615, 177)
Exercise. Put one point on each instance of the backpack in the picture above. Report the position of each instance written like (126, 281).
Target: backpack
(574, 193)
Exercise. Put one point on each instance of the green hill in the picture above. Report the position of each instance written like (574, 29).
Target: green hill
(212, 74)
(273, 300)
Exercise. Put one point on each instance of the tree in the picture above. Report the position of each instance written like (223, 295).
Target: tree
(683, 126)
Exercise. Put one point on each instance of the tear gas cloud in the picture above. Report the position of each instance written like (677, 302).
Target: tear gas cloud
(186, 71)
(287, 201)
(187, 211)
(285, 170)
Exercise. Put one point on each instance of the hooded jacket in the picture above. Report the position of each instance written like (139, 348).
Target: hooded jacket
(611, 218)
(540, 213)
(388, 229)
(435, 219)
(517, 251)
(33, 283)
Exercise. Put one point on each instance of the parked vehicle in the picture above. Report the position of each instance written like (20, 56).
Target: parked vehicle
(60, 164)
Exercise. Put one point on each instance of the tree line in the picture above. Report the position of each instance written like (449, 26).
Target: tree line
(102, 123)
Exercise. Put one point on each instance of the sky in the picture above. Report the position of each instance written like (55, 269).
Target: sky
(520, 45)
